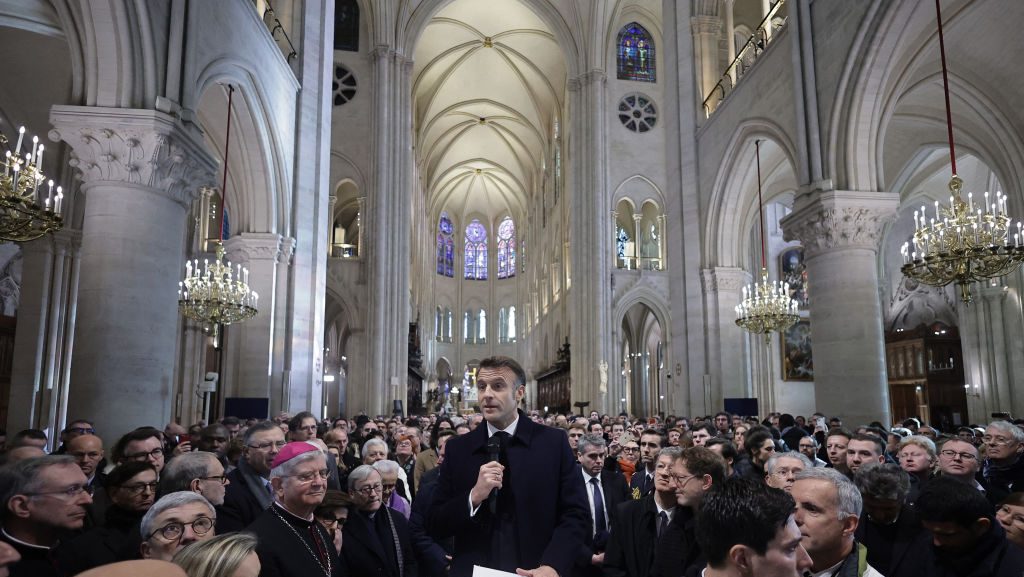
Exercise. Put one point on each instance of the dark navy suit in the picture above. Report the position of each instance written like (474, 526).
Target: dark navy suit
(547, 516)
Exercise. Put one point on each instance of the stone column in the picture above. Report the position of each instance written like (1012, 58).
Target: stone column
(140, 171)
(387, 253)
(46, 319)
(840, 232)
(332, 201)
(590, 289)
(636, 240)
(727, 353)
(993, 298)
(705, 39)
(250, 344)
(766, 7)
(730, 38)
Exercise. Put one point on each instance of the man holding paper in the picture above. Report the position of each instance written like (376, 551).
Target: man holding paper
(509, 492)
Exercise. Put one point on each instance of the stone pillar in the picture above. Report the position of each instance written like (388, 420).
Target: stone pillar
(727, 353)
(250, 344)
(766, 7)
(705, 38)
(636, 240)
(46, 318)
(840, 232)
(332, 201)
(140, 171)
(590, 291)
(387, 216)
(993, 298)
(730, 38)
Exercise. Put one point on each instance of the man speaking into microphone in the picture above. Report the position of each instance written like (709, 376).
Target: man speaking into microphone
(509, 493)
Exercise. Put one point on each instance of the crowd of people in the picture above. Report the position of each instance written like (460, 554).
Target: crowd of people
(518, 491)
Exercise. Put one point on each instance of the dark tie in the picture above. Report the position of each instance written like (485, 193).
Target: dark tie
(599, 519)
(662, 521)
(505, 437)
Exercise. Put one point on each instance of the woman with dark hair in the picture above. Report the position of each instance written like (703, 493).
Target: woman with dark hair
(131, 490)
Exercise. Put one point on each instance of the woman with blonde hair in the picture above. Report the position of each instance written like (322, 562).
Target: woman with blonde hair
(230, 555)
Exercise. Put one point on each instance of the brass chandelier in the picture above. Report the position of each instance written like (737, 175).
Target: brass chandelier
(966, 241)
(214, 293)
(27, 212)
(766, 306)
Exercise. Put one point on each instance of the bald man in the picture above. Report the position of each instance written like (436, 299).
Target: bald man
(88, 453)
(21, 453)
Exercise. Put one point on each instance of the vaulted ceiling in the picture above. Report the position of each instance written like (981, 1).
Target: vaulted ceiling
(489, 84)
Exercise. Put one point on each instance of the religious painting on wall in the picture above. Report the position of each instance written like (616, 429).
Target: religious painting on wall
(794, 272)
(797, 362)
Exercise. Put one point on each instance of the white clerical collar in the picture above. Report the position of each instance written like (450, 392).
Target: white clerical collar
(511, 429)
(20, 542)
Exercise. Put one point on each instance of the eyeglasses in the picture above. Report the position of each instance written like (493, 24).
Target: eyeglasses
(630, 449)
(140, 488)
(222, 478)
(949, 454)
(310, 476)
(71, 492)
(174, 531)
(682, 480)
(988, 440)
(332, 519)
(371, 489)
(82, 430)
(155, 453)
(785, 472)
(308, 428)
(268, 444)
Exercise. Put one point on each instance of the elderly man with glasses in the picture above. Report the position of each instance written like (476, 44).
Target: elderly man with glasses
(1003, 470)
(43, 498)
(248, 492)
(376, 539)
(174, 521)
(199, 472)
(291, 542)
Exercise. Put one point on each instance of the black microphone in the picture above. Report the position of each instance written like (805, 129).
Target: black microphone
(494, 453)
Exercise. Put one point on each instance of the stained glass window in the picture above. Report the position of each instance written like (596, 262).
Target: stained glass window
(635, 54)
(445, 247)
(507, 248)
(475, 265)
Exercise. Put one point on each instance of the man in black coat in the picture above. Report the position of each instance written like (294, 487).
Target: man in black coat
(376, 539)
(635, 526)
(605, 491)
(642, 483)
(432, 557)
(537, 520)
(248, 492)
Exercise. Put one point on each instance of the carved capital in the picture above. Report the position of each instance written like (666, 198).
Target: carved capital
(250, 247)
(722, 279)
(138, 147)
(834, 219)
(706, 25)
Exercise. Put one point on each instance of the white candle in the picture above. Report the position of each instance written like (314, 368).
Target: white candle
(60, 200)
(32, 153)
(21, 134)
